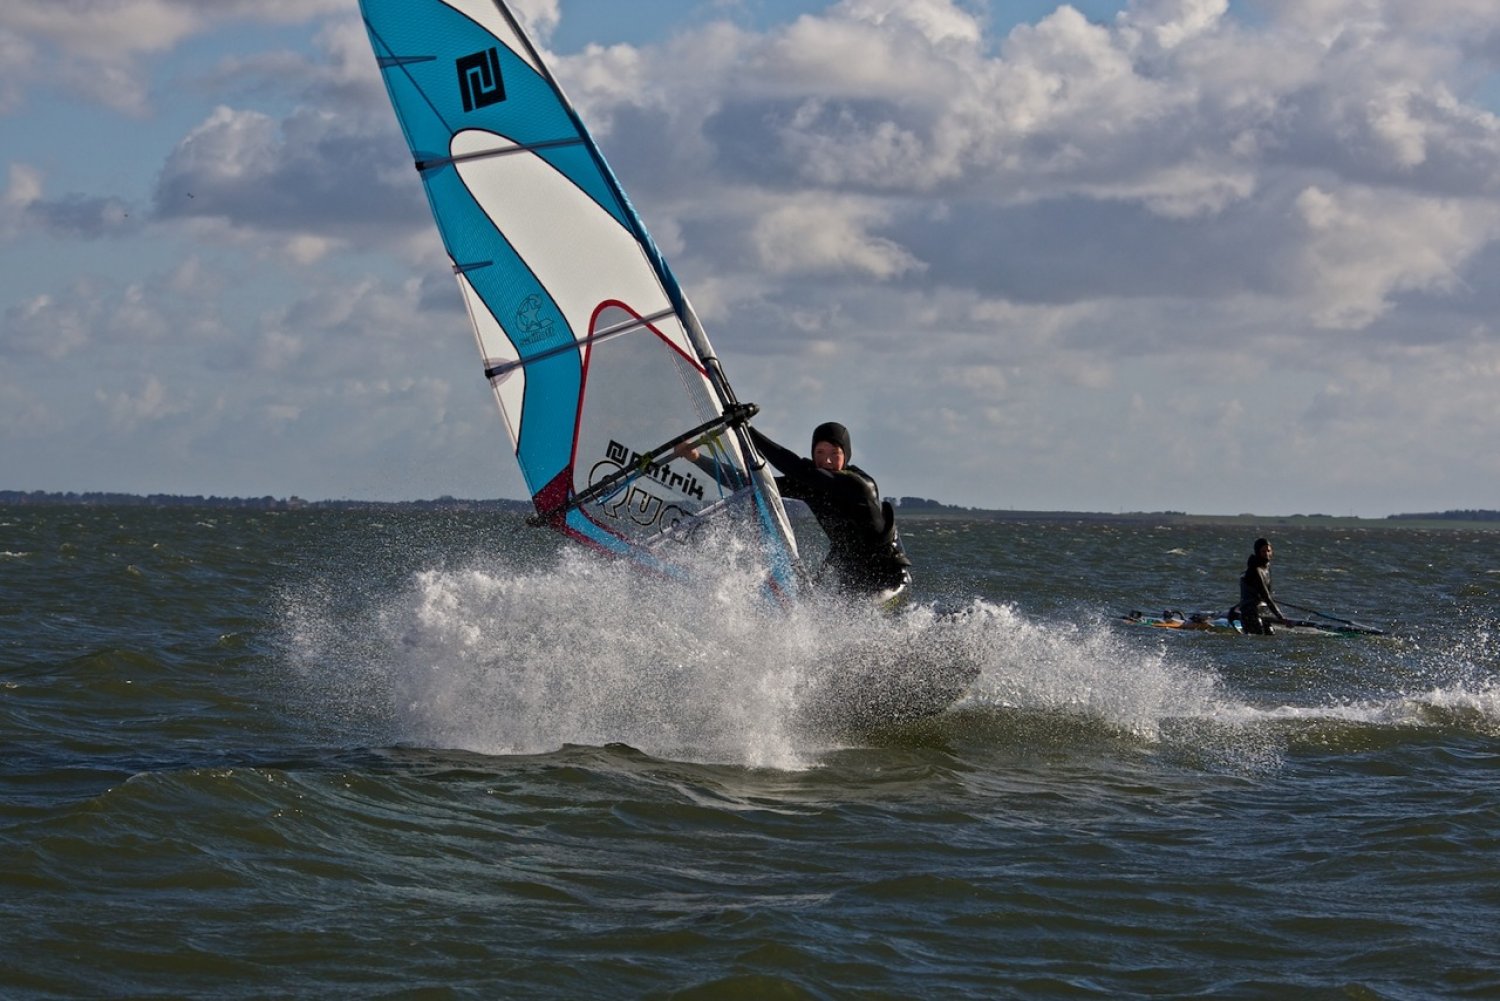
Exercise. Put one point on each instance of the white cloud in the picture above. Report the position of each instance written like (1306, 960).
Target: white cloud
(49, 326)
(811, 237)
(1165, 25)
(150, 403)
(308, 179)
(1364, 246)
(1331, 20)
(939, 22)
(539, 17)
(1184, 190)
(23, 189)
(16, 58)
(102, 28)
(101, 47)
(24, 208)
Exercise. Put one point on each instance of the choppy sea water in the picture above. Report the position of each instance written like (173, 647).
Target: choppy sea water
(320, 754)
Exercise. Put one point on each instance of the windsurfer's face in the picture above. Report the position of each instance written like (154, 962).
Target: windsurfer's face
(827, 455)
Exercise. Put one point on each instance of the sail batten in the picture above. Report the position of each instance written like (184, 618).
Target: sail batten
(393, 62)
(593, 353)
(495, 370)
(434, 162)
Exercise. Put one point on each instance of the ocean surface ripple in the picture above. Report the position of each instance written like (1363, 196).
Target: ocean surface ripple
(418, 755)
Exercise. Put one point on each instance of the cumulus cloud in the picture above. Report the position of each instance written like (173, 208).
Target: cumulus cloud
(148, 403)
(99, 48)
(1174, 108)
(1365, 246)
(50, 326)
(311, 177)
(24, 208)
(539, 16)
(821, 237)
(16, 58)
(23, 189)
(90, 314)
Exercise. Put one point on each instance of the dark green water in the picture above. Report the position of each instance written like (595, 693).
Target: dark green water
(333, 755)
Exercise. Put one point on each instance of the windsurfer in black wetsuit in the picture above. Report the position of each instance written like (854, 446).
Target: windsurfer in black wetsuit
(1255, 591)
(865, 556)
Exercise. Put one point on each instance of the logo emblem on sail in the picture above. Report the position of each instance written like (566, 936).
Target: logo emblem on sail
(479, 79)
(533, 326)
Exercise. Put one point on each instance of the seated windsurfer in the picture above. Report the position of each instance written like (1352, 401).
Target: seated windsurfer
(865, 555)
(1255, 592)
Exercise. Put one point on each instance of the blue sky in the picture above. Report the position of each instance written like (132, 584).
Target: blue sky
(1159, 255)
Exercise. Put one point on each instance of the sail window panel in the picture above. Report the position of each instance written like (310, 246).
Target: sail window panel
(640, 390)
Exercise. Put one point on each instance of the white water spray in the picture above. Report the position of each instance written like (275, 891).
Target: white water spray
(579, 650)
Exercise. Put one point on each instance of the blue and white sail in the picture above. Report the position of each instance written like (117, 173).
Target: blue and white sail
(597, 360)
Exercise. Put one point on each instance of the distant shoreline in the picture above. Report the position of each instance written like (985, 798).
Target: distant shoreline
(43, 498)
(910, 508)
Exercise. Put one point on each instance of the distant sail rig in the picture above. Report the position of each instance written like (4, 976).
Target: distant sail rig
(597, 361)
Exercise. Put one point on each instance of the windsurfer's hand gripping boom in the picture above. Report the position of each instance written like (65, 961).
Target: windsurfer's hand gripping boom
(735, 415)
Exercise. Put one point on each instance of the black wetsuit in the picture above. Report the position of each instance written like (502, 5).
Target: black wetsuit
(864, 549)
(1255, 590)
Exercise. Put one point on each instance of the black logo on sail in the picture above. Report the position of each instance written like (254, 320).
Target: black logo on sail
(479, 79)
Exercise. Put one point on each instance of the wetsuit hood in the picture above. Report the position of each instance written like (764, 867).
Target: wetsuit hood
(835, 434)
